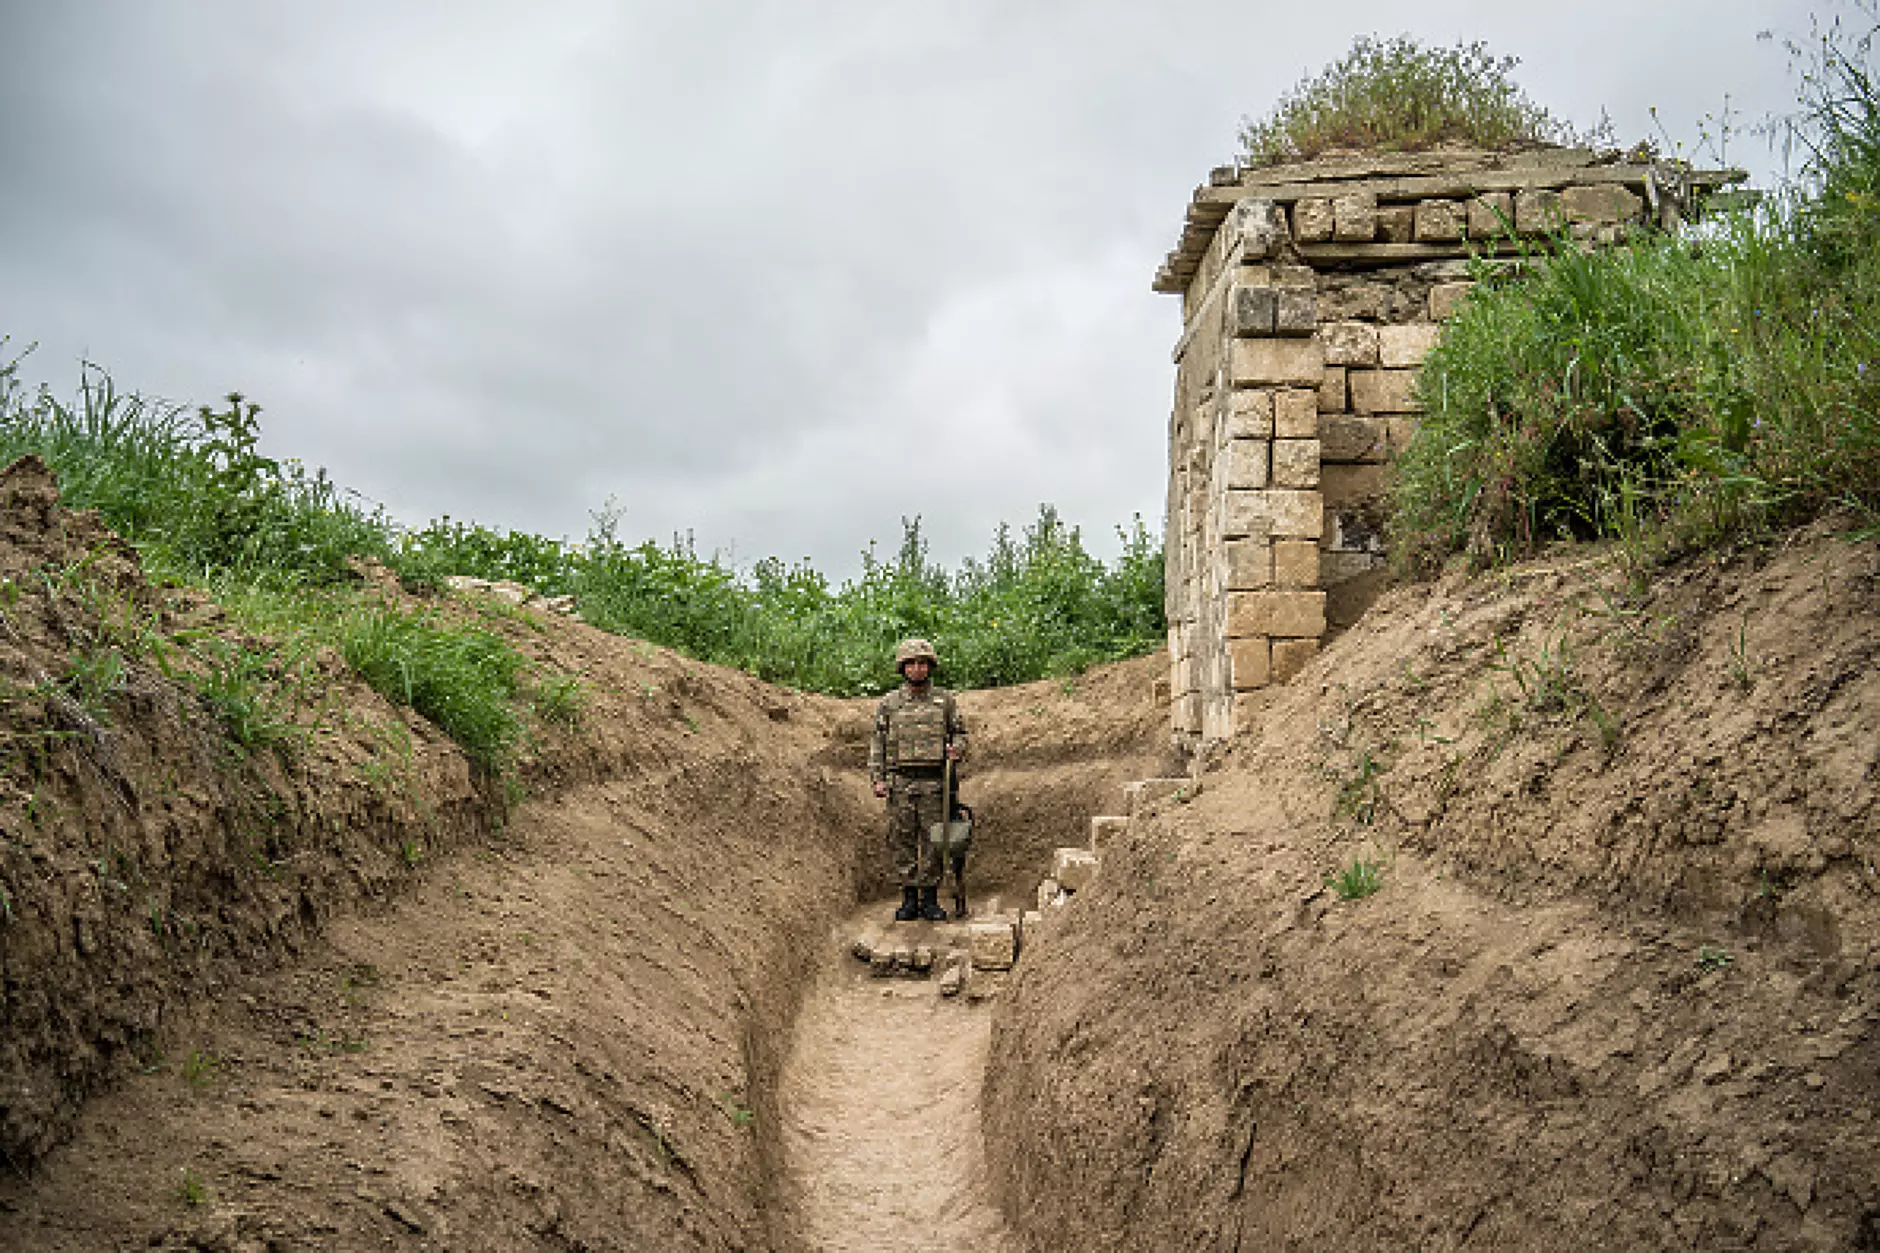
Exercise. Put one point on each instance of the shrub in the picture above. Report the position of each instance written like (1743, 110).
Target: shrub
(1397, 95)
(1675, 391)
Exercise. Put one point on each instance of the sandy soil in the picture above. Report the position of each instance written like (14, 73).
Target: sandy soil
(880, 1100)
(1619, 987)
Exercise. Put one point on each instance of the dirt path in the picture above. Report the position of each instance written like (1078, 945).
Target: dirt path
(880, 1107)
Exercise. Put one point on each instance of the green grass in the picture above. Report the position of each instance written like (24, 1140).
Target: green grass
(462, 679)
(1397, 95)
(1673, 393)
(268, 540)
(1358, 880)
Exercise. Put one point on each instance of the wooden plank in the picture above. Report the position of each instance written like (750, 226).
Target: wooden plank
(1380, 254)
(1459, 186)
(1400, 164)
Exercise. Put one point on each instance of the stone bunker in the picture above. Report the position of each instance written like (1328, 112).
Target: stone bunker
(1311, 294)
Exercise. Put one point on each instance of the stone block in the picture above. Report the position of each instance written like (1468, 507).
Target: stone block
(1260, 226)
(1296, 461)
(1142, 793)
(1354, 301)
(1294, 614)
(993, 945)
(1249, 563)
(1030, 927)
(1185, 713)
(1491, 215)
(1351, 437)
(1107, 827)
(1298, 312)
(1277, 362)
(1049, 890)
(953, 978)
(1385, 391)
(1403, 428)
(1349, 343)
(1296, 414)
(1332, 393)
(1537, 212)
(1296, 564)
(1251, 663)
(1074, 868)
(1399, 347)
(1437, 221)
(1606, 203)
(1343, 485)
(1286, 514)
(1312, 221)
(1446, 298)
(1250, 415)
(1292, 656)
(1396, 224)
(1245, 463)
(1354, 217)
(1252, 310)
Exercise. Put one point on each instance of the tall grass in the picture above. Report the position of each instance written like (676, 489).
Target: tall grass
(193, 491)
(1678, 391)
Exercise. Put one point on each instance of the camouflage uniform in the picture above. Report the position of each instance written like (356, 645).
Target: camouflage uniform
(913, 728)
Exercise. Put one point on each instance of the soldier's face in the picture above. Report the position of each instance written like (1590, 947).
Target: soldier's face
(917, 670)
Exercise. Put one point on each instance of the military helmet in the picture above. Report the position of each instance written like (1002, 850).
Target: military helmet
(915, 650)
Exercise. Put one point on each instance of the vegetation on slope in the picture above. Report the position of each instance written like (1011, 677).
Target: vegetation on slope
(196, 496)
(1678, 391)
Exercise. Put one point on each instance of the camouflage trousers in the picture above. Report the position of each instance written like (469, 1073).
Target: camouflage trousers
(914, 808)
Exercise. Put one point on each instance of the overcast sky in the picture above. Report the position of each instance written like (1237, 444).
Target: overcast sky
(775, 274)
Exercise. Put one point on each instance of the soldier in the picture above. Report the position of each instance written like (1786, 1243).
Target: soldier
(918, 730)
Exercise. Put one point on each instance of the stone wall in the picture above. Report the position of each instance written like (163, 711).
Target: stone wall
(1311, 295)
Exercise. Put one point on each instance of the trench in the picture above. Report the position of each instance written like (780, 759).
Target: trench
(879, 1099)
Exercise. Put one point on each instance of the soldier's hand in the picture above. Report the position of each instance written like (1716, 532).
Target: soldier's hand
(881, 788)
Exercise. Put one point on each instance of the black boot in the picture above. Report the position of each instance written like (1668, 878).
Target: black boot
(930, 905)
(910, 905)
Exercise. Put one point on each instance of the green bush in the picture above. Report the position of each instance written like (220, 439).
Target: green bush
(1672, 392)
(462, 679)
(1397, 95)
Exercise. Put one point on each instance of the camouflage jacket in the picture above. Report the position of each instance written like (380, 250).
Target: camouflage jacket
(913, 729)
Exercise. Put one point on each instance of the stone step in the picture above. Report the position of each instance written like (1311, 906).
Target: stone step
(1107, 827)
(1142, 793)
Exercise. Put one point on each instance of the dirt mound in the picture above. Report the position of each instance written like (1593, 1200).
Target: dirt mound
(338, 990)
(1618, 988)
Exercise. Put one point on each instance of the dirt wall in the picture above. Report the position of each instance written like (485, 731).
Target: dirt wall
(1619, 987)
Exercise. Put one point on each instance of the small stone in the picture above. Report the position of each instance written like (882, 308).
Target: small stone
(994, 945)
(881, 963)
(1107, 827)
(1715, 1070)
(923, 958)
(1814, 1080)
(1048, 892)
(862, 949)
(1076, 868)
(953, 978)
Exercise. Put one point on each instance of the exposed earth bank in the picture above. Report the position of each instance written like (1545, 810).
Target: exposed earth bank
(1619, 983)
(1618, 986)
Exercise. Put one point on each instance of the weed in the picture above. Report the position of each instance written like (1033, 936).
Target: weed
(318, 1043)
(561, 699)
(691, 724)
(412, 853)
(192, 1191)
(6, 905)
(461, 679)
(91, 678)
(200, 1068)
(1360, 794)
(1360, 879)
(740, 1114)
(1740, 663)
(1713, 959)
(1395, 94)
